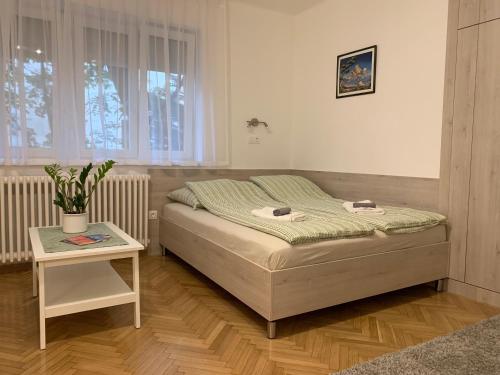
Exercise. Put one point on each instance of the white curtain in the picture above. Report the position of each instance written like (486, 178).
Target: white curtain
(138, 81)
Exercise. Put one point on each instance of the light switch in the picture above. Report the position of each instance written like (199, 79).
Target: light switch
(253, 140)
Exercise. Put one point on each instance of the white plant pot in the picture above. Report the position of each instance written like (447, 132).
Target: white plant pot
(75, 223)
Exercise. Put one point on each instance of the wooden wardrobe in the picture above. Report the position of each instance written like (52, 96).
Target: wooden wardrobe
(471, 148)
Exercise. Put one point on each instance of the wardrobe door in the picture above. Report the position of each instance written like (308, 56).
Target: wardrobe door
(461, 143)
(490, 9)
(468, 13)
(483, 242)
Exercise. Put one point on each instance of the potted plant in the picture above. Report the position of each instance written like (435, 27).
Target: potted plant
(72, 195)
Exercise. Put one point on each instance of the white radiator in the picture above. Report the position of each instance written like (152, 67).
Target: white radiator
(26, 201)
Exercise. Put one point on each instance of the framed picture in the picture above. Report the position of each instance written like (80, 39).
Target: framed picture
(356, 72)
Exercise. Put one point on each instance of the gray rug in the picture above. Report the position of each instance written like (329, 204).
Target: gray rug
(474, 350)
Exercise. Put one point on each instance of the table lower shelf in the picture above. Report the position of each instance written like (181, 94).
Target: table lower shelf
(85, 286)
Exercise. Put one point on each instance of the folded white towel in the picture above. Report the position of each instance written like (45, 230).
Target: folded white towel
(363, 210)
(267, 213)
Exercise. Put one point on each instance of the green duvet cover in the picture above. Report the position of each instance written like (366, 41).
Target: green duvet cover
(304, 194)
(234, 201)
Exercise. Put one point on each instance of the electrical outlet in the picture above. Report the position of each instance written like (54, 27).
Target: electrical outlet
(153, 215)
(253, 140)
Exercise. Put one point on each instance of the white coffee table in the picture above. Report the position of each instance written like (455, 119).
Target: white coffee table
(81, 280)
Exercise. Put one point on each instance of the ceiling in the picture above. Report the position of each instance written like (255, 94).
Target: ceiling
(285, 6)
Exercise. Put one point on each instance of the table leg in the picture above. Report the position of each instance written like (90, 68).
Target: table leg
(137, 304)
(41, 302)
(35, 286)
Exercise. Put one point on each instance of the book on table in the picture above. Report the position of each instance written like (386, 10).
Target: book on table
(87, 239)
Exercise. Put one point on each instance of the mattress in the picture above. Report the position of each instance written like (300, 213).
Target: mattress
(274, 253)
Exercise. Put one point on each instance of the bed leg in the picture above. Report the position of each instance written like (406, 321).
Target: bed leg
(271, 329)
(439, 285)
(163, 250)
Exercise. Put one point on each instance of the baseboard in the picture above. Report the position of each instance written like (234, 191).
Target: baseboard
(473, 292)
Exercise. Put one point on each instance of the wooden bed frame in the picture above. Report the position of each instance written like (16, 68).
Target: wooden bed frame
(282, 293)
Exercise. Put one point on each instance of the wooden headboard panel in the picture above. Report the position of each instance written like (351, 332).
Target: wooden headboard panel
(412, 192)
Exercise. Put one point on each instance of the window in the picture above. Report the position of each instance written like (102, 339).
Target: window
(169, 89)
(141, 81)
(110, 69)
(28, 88)
(106, 72)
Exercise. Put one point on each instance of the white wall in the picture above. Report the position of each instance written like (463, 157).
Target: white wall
(260, 85)
(397, 130)
(260, 43)
(283, 72)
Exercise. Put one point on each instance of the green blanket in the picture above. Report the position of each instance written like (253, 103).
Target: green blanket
(234, 201)
(302, 193)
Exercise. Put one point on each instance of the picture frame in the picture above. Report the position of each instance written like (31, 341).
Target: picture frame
(356, 72)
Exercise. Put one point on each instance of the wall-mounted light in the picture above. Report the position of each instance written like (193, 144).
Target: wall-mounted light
(255, 122)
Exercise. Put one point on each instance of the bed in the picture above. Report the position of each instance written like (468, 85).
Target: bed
(279, 280)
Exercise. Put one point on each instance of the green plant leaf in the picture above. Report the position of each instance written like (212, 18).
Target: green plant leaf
(85, 173)
(60, 201)
(71, 192)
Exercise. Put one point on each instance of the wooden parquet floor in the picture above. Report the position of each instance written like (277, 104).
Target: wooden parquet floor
(191, 326)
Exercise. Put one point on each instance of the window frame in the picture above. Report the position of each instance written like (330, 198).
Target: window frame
(137, 137)
(36, 154)
(131, 151)
(187, 154)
